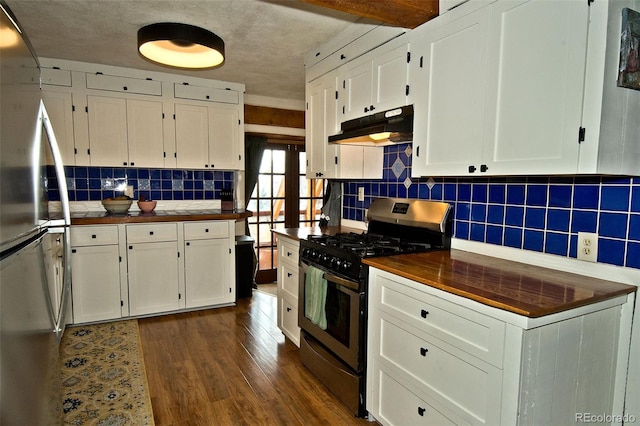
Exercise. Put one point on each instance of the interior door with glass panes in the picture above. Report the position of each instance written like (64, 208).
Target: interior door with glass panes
(282, 198)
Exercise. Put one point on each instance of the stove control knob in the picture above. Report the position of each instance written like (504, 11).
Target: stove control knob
(324, 258)
(313, 254)
(305, 252)
(346, 265)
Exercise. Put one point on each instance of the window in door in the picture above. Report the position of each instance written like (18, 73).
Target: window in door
(282, 198)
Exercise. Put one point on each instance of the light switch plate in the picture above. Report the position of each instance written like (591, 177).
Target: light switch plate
(361, 193)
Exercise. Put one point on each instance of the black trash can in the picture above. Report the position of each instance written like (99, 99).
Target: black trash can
(244, 266)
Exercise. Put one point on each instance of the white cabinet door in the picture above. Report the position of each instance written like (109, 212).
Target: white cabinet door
(320, 122)
(390, 79)
(450, 90)
(145, 133)
(96, 283)
(60, 109)
(357, 87)
(192, 136)
(224, 138)
(153, 277)
(107, 131)
(536, 61)
(207, 272)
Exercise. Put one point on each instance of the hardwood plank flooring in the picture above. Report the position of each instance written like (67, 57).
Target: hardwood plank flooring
(232, 366)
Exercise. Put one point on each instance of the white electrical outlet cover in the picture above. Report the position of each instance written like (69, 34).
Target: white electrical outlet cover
(587, 249)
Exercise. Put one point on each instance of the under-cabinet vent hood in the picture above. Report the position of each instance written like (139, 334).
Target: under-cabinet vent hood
(379, 129)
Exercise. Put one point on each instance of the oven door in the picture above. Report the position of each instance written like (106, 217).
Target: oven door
(344, 308)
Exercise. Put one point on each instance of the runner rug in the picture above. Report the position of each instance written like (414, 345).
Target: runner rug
(103, 375)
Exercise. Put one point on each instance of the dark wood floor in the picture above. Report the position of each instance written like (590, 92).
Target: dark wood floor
(232, 366)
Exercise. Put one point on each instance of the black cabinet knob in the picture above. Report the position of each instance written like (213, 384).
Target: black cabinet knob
(124, 163)
(472, 169)
(188, 244)
(125, 88)
(132, 164)
(206, 230)
(483, 168)
(94, 236)
(421, 411)
(371, 108)
(424, 313)
(288, 253)
(289, 274)
(342, 56)
(288, 309)
(423, 351)
(150, 232)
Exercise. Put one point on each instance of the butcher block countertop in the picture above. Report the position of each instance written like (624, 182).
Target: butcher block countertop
(104, 218)
(523, 289)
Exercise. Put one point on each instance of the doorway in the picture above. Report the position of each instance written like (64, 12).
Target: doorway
(282, 198)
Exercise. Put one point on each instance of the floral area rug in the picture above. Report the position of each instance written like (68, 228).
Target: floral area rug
(103, 376)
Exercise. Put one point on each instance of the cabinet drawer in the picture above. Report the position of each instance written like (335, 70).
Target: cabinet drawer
(152, 233)
(289, 280)
(94, 235)
(206, 230)
(465, 384)
(186, 91)
(399, 406)
(290, 320)
(470, 331)
(288, 251)
(124, 84)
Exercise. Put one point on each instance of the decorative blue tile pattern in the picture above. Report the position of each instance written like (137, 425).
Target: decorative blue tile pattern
(97, 183)
(540, 213)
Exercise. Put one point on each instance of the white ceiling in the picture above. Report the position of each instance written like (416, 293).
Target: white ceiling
(265, 40)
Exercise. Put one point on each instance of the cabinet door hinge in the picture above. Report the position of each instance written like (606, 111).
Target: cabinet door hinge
(335, 160)
(589, 2)
(163, 115)
(418, 151)
(336, 94)
(174, 116)
(179, 296)
(344, 84)
(120, 259)
(408, 57)
(75, 151)
(73, 108)
(229, 289)
(229, 251)
(164, 154)
(88, 151)
(407, 90)
(178, 254)
(121, 303)
(175, 155)
(238, 122)
(239, 157)
(581, 132)
(307, 107)
(421, 61)
(343, 109)
(86, 109)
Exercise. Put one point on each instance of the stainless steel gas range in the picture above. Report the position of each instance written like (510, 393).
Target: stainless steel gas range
(333, 288)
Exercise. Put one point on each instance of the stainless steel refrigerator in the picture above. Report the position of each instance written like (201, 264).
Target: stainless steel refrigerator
(34, 247)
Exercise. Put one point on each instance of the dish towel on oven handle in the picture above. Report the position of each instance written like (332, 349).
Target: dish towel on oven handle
(315, 296)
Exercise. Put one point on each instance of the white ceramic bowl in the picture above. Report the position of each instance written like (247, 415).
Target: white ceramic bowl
(147, 206)
(117, 206)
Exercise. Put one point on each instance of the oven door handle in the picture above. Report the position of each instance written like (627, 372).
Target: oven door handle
(338, 280)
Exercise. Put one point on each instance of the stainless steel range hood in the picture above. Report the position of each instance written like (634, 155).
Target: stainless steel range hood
(379, 129)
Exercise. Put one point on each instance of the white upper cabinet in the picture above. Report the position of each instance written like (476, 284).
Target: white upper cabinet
(534, 93)
(60, 109)
(516, 87)
(329, 161)
(450, 84)
(209, 136)
(125, 132)
(377, 81)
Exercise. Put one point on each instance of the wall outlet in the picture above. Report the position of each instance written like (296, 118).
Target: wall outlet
(588, 246)
(361, 193)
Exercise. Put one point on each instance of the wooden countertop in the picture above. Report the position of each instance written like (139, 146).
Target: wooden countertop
(104, 218)
(520, 288)
(303, 233)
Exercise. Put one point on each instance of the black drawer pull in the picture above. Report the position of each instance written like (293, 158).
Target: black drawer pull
(94, 236)
(421, 411)
(423, 351)
(424, 313)
(206, 230)
(188, 244)
(289, 274)
(150, 232)
(288, 253)
(288, 309)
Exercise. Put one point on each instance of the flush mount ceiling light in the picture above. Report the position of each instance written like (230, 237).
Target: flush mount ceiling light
(180, 45)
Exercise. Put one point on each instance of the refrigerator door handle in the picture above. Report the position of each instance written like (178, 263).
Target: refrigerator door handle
(57, 163)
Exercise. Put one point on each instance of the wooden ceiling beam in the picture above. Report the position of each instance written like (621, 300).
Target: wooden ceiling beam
(398, 13)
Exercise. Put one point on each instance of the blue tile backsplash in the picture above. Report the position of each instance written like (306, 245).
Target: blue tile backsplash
(97, 183)
(542, 214)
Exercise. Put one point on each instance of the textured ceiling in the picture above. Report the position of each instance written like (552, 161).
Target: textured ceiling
(265, 40)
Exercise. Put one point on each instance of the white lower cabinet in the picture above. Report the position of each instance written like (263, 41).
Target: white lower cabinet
(209, 259)
(288, 282)
(437, 358)
(95, 272)
(152, 259)
(146, 269)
